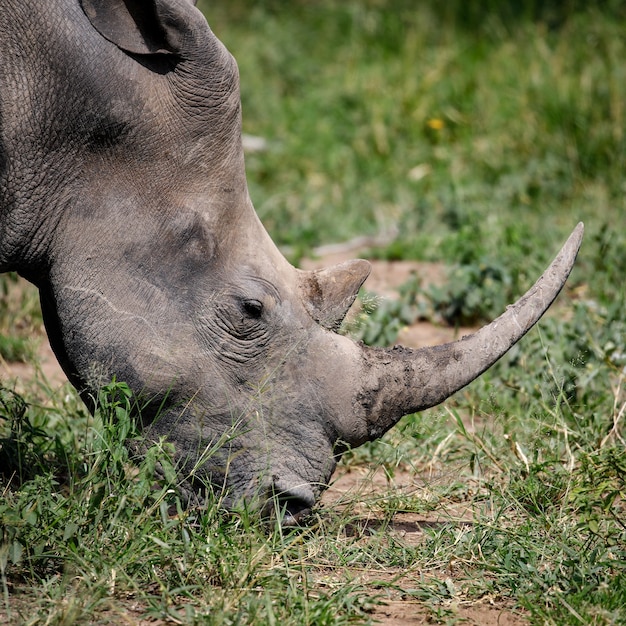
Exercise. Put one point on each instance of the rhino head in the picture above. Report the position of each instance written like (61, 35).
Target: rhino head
(123, 197)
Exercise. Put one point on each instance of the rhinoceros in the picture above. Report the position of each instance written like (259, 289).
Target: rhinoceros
(123, 198)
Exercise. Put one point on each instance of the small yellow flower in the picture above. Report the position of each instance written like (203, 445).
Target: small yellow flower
(435, 123)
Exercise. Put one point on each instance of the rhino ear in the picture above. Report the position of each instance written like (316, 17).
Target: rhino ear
(140, 26)
(329, 293)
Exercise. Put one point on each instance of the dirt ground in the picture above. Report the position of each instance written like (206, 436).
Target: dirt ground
(398, 609)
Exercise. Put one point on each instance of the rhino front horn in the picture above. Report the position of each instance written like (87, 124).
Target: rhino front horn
(399, 381)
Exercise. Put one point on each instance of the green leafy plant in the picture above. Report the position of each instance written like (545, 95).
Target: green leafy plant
(473, 293)
(24, 446)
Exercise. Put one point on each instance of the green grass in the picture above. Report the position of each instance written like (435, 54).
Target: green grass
(480, 138)
(20, 318)
(530, 140)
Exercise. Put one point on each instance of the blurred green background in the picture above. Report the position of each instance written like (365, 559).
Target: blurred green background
(471, 130)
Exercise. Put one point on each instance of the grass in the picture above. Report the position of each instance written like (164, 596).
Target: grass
(474, 138)
(20, 317)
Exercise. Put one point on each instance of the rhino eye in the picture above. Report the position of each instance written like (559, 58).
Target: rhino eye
(252, 308)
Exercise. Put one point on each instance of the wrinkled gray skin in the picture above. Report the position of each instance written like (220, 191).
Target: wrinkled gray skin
(123, 198)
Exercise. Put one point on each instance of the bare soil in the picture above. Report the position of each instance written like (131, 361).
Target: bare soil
(398, 608)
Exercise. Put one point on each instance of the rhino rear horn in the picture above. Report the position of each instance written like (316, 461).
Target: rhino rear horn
(144, 26)
(329, 293)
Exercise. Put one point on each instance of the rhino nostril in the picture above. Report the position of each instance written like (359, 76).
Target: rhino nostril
(294, 512)
(292, 506)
